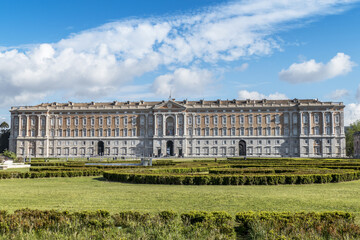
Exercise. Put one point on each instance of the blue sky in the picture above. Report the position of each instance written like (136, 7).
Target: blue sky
(130, 50)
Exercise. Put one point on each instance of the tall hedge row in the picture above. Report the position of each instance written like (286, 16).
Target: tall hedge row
(228, 179)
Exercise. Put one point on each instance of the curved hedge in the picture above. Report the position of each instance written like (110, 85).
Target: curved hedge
(186, 179)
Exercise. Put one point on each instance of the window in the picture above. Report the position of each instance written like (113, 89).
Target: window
(216, 132)
(251, 131)
(108, 121)
(142, 120)
(316, 118)
(328, 117)
(267, 119)
(108, 132)
(286, 118)
(277, 118)
(198, 131)
(76, 133)
(207, 131)
(207, 120)
(100, 132)
(60, 121)
(32, 121)
(277, 131)
(259, 119)
(250, 118)
(337, 130)
(60, 132)
(316, 131)
(215, 119)
(117, 132)
(33, 133)
(268, 131)
(305, 118)
(117, 121)
(125, 132)
(224, 132)
(84, 132)
(133, 132)
(133, 121)
(223, 119)
(52, 133)
(101, 121)
(76, 121)
(294, 118)
(241, 119)
(286, 131)
(43, 120)
(68, 132)
(51, 121)
(306, 130)
(190, 132)
(92, 132)
(84, 121)
(68, 121)
(198, 119)
(190, 120)
(233, 131)
(180, 120)
(295, 131)
(242, 131)
(259, 131)
(92, 121)
(232, 119)
(337, 118)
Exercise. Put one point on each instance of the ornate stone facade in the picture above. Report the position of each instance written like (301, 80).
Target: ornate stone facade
(265, 128)
(356, 141)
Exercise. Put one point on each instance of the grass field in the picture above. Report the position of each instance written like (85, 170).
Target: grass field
(92, 193)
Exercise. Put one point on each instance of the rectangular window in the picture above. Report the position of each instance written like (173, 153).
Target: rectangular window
(84, 132)
(207, 131)
(93, 132)
(117, 132)
(233, 131)
(267, 119)
(190, 132)
(277, 118)
(241, 119)
(216, 132)
(250, 119)
(117, 121)
(337, 118)
(198, 119)
(92, 121)
(84, 121)
(316, 118)
(76, 121)
(232, 120)
(207, 120)
(100, 132)
(328, 118)
(224, 132)
(277, 131)
(268, 131)
(294, 118)
(108, 121)
(190, 120)
(133, 132)
(242, 131)
(251, 131)
(101, 121)
(108, 132)
(215, 119)
(198, 131)
(259, 119)
(133, 120)
(223, 119)
(259, 131)
(126, 132)
(125, 121)
(67, 121)
(60, 121)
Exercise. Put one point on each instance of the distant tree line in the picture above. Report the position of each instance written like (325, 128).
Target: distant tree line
(354, 127)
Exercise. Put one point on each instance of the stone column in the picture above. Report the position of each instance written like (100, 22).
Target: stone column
(39, 126)
(176, 125)
(341, 123)
(146, 125)
(184, 123)
(290, 124)
(309, 120)
(163, 125)
(332, 122)
(301, 123)
(27, 126)
(323, 122)
(20, 126)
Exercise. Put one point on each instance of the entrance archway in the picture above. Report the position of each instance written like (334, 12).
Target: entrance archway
(101, 148)
(242, 148)
(170, 148)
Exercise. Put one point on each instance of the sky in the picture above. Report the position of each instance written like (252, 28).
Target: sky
(96, 50)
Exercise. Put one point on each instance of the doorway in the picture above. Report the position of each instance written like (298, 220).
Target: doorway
(242, 148)
(170, 148)
(101, 148)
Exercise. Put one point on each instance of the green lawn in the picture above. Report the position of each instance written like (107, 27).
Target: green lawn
(90, 193)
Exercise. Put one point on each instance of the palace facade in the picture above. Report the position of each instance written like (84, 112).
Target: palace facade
(264, 128)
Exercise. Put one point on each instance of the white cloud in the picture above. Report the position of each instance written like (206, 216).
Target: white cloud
(99, 62)
(242, 67)
(358, 94)
(311, 71)
(183, 83)
(352, 113)
(338, 94)
(243, 94)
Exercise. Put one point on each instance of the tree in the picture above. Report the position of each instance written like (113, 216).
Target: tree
(4, 136)
(354, 127)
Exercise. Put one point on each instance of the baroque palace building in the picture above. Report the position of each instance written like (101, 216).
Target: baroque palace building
(265, 128)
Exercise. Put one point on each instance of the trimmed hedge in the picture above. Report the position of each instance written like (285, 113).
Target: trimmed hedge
(47, 174)
(146, 178)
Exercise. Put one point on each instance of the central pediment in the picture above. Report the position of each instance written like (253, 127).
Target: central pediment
(169, 105)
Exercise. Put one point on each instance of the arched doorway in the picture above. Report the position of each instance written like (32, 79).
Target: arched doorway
(101, 148)
(170, 148)
(170, 126)
(242, 148)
